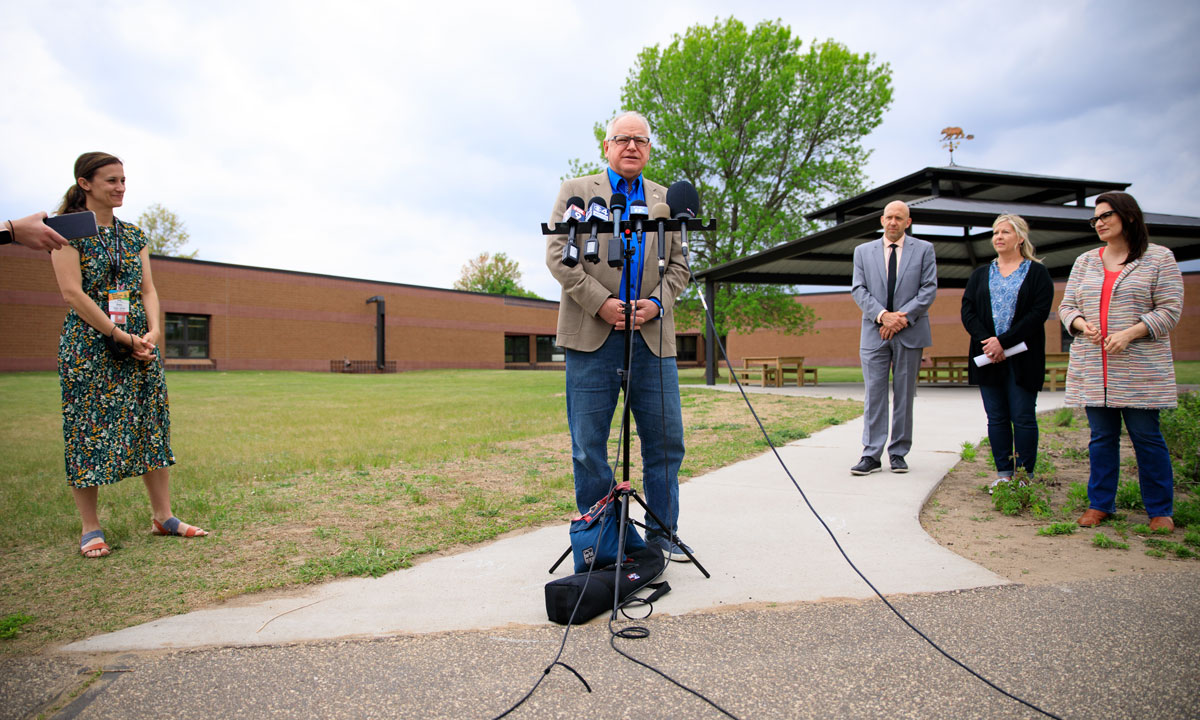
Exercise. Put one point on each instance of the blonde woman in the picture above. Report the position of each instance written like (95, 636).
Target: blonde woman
(114, 394)
(1006, 303)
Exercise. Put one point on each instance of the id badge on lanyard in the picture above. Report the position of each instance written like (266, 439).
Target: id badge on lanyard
(118, 296)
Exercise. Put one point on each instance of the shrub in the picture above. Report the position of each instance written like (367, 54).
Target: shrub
(1181, 430)
(968, 451)
(1129, 495)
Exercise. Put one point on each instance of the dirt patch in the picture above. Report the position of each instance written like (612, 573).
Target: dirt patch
(961, 516)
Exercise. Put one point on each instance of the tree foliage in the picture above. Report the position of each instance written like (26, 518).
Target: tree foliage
(766, 132)
(495, 274)
(165, 232)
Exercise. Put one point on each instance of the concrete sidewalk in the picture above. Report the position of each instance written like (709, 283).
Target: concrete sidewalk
(747, 523)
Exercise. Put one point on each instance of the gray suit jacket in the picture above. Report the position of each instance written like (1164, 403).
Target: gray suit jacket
(916, 287)
(586, 286)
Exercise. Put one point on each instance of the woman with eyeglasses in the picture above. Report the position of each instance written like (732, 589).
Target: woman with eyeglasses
(116, 422)
(1005, 305)
(1120, 304)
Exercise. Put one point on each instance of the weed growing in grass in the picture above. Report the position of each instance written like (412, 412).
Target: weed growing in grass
(968, 452)
(10, 624)
(1101, 540)
(1187, 512)
(1075, 453)
(370, 557)
(1077, 499)
(1180, 550)
(1063, 417)
(1144, 529)
(1156, 553)
(1058, 528)
(1192, 537)
(1014, 497)
(1129, 495)
(832, 421)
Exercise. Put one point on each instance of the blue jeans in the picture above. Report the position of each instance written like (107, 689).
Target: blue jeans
(1012, 424)
(1154, 462)
(593, 390)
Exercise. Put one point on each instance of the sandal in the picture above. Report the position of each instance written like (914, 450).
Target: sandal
(92, 542)
(175, 526)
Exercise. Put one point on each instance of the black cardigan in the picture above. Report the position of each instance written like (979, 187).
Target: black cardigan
(1028, 326)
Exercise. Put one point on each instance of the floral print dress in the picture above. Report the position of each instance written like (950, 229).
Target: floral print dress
(116, 422)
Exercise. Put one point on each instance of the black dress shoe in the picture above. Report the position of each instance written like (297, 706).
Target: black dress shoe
(866, 466)
(898, 464)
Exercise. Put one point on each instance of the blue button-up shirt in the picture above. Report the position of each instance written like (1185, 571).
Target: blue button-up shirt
(1004, 294)
(635, 191)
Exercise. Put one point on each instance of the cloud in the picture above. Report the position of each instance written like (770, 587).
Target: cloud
(395, 141)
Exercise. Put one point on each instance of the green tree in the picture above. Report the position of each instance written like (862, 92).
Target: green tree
(766, 132)
(495, 274)
(166, 233)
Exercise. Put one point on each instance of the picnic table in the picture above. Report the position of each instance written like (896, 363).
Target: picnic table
(774, 369)
(945, 369)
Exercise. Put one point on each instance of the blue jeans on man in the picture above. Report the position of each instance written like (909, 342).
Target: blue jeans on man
(593, 391)
(1155, 475)
(1012, 424)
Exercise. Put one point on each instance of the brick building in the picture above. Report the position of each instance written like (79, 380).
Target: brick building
(235, 317)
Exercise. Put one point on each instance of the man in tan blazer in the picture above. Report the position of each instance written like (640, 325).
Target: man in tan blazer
(591, 309)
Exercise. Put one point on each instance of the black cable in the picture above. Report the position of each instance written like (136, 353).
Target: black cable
(712, 326)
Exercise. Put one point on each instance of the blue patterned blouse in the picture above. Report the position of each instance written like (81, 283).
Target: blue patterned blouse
(1004, 294)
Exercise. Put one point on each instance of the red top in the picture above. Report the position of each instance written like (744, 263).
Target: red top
(1110, 279)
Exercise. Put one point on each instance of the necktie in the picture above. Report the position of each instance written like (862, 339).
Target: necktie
(891, 278)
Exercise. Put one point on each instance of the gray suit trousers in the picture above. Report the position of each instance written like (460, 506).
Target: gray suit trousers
(904, 364)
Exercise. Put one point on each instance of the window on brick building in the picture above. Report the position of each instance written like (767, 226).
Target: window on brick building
(685, 348)
(516, 348)
(186, 336)
(547, 351)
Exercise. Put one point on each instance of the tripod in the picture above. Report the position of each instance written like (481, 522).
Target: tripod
(622, 492)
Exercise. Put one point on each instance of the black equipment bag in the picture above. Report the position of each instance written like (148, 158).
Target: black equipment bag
(642, 567)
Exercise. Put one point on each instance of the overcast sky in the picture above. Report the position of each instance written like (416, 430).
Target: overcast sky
(394, 140)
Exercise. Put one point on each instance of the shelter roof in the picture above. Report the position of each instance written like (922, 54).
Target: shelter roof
(959, 228)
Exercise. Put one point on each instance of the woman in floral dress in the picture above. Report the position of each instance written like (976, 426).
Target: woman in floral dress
(114, 395)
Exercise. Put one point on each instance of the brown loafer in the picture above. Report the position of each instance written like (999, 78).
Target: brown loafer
(1092, 518)
(1158, 523)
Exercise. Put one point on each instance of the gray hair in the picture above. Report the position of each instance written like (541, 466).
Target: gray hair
(608, 132)
(1021, 228)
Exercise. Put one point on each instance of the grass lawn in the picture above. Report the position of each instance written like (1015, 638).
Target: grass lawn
(303, 477)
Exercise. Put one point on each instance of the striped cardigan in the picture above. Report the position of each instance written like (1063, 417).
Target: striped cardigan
(1150, 290)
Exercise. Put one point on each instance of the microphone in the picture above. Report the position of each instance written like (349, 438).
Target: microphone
(685, 205)
(615, 255)
(572, 216)
(638, 212)
(597, 212)
(660, 212)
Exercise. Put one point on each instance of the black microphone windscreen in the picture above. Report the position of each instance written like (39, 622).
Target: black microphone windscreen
(683, 199)
(576, 201)
(597, 201)
(617, 201)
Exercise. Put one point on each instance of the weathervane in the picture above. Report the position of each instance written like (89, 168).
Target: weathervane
(952, 137)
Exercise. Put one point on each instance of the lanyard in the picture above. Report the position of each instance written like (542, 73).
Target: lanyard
(114, 254)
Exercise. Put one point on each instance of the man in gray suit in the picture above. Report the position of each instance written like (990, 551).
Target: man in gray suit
(591, 308)
(895, 281)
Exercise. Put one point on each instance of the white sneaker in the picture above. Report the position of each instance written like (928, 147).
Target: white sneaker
(996, 482)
